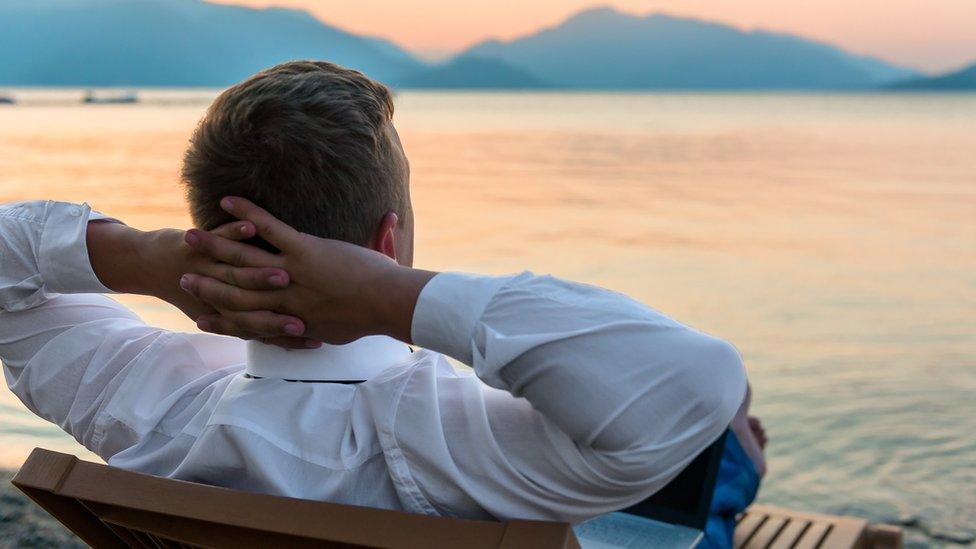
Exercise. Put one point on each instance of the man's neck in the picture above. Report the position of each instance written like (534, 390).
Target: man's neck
(359, 360)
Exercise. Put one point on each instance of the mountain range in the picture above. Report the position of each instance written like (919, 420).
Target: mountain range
(963, 79)
(172, 43)
(196, 43)
(607, 49)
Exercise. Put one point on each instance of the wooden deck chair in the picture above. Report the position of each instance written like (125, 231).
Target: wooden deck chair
(109, 507)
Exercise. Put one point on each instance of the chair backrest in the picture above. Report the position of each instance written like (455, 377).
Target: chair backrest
(110, 507)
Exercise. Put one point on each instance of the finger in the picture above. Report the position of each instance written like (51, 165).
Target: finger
(224, 296)
(248, 278)
(255, 323)
(228, 251)
(225, 325)
(236, 230)
(275, 232)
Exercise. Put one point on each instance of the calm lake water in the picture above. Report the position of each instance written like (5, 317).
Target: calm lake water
(831, 237)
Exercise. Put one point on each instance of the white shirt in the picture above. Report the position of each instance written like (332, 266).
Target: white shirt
(581, 401)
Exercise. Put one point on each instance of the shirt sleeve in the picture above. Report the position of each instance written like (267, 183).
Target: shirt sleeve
(82, 361)
(43, 251)
(596, 400)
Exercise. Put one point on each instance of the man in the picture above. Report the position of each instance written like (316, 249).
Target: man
(582, 401)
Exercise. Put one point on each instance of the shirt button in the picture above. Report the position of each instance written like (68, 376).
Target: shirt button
(75, 212)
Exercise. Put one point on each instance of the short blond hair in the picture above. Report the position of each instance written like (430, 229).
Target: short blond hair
(309, 141)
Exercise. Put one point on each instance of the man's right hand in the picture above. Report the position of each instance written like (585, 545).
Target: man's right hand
(128, 260)
(341, 291)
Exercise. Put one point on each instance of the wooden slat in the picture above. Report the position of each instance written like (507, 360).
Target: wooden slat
(813, 536)
(747, 527)
(790, 534)
(767, 532)
(845, 533)
(812, 517)
(824, 532)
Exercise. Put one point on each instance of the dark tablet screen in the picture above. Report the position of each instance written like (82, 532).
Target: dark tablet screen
(686, 499)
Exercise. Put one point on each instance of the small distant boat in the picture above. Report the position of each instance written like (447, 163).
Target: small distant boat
(124, 97)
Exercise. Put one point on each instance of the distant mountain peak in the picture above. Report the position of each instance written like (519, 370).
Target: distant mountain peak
(597, 12)
(595, 17)
(612, 15)
(604, 48)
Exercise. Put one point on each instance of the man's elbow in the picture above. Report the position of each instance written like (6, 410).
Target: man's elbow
(707, 387)
(712, 387)
(719, 381)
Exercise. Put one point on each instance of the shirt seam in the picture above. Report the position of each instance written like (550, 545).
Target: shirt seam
(400, 467)
(101, 424)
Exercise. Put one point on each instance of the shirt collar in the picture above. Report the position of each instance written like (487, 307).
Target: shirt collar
(359, 360)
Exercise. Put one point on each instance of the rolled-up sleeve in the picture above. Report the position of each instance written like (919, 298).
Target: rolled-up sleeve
(43, 252)
(601, 400)
(68, 354)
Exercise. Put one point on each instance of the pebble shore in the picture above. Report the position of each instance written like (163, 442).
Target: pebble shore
(25, 525)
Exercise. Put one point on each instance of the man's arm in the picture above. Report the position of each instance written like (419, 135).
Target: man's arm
(64, 356)
(623, 396)
(67, 356)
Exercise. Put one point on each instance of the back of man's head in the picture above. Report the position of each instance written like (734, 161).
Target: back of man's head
(311, 142)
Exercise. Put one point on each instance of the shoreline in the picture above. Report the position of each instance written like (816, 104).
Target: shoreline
(24, 524)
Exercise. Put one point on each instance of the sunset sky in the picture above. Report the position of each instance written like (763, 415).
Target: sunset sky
(931, 35)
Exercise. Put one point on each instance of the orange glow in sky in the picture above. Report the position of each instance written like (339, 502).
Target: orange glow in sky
(932, 35)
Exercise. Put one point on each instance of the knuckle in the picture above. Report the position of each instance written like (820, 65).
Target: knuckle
(238, 257)
(223, 296)
(230, 275)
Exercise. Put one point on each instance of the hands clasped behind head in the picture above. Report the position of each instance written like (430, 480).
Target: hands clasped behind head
(261, 295)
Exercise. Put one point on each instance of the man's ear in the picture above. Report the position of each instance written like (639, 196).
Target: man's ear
(384, 241)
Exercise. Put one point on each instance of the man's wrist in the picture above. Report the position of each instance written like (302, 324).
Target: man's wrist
(161, 261)
(113, 251)
(396, 305)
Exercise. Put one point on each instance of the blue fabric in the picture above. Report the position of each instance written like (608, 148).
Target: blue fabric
(735, 489)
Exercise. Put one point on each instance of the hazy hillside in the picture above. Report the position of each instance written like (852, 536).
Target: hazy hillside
(604, 48)
(964, 79)
(473, 73)
(171, 43)
(193, 43)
